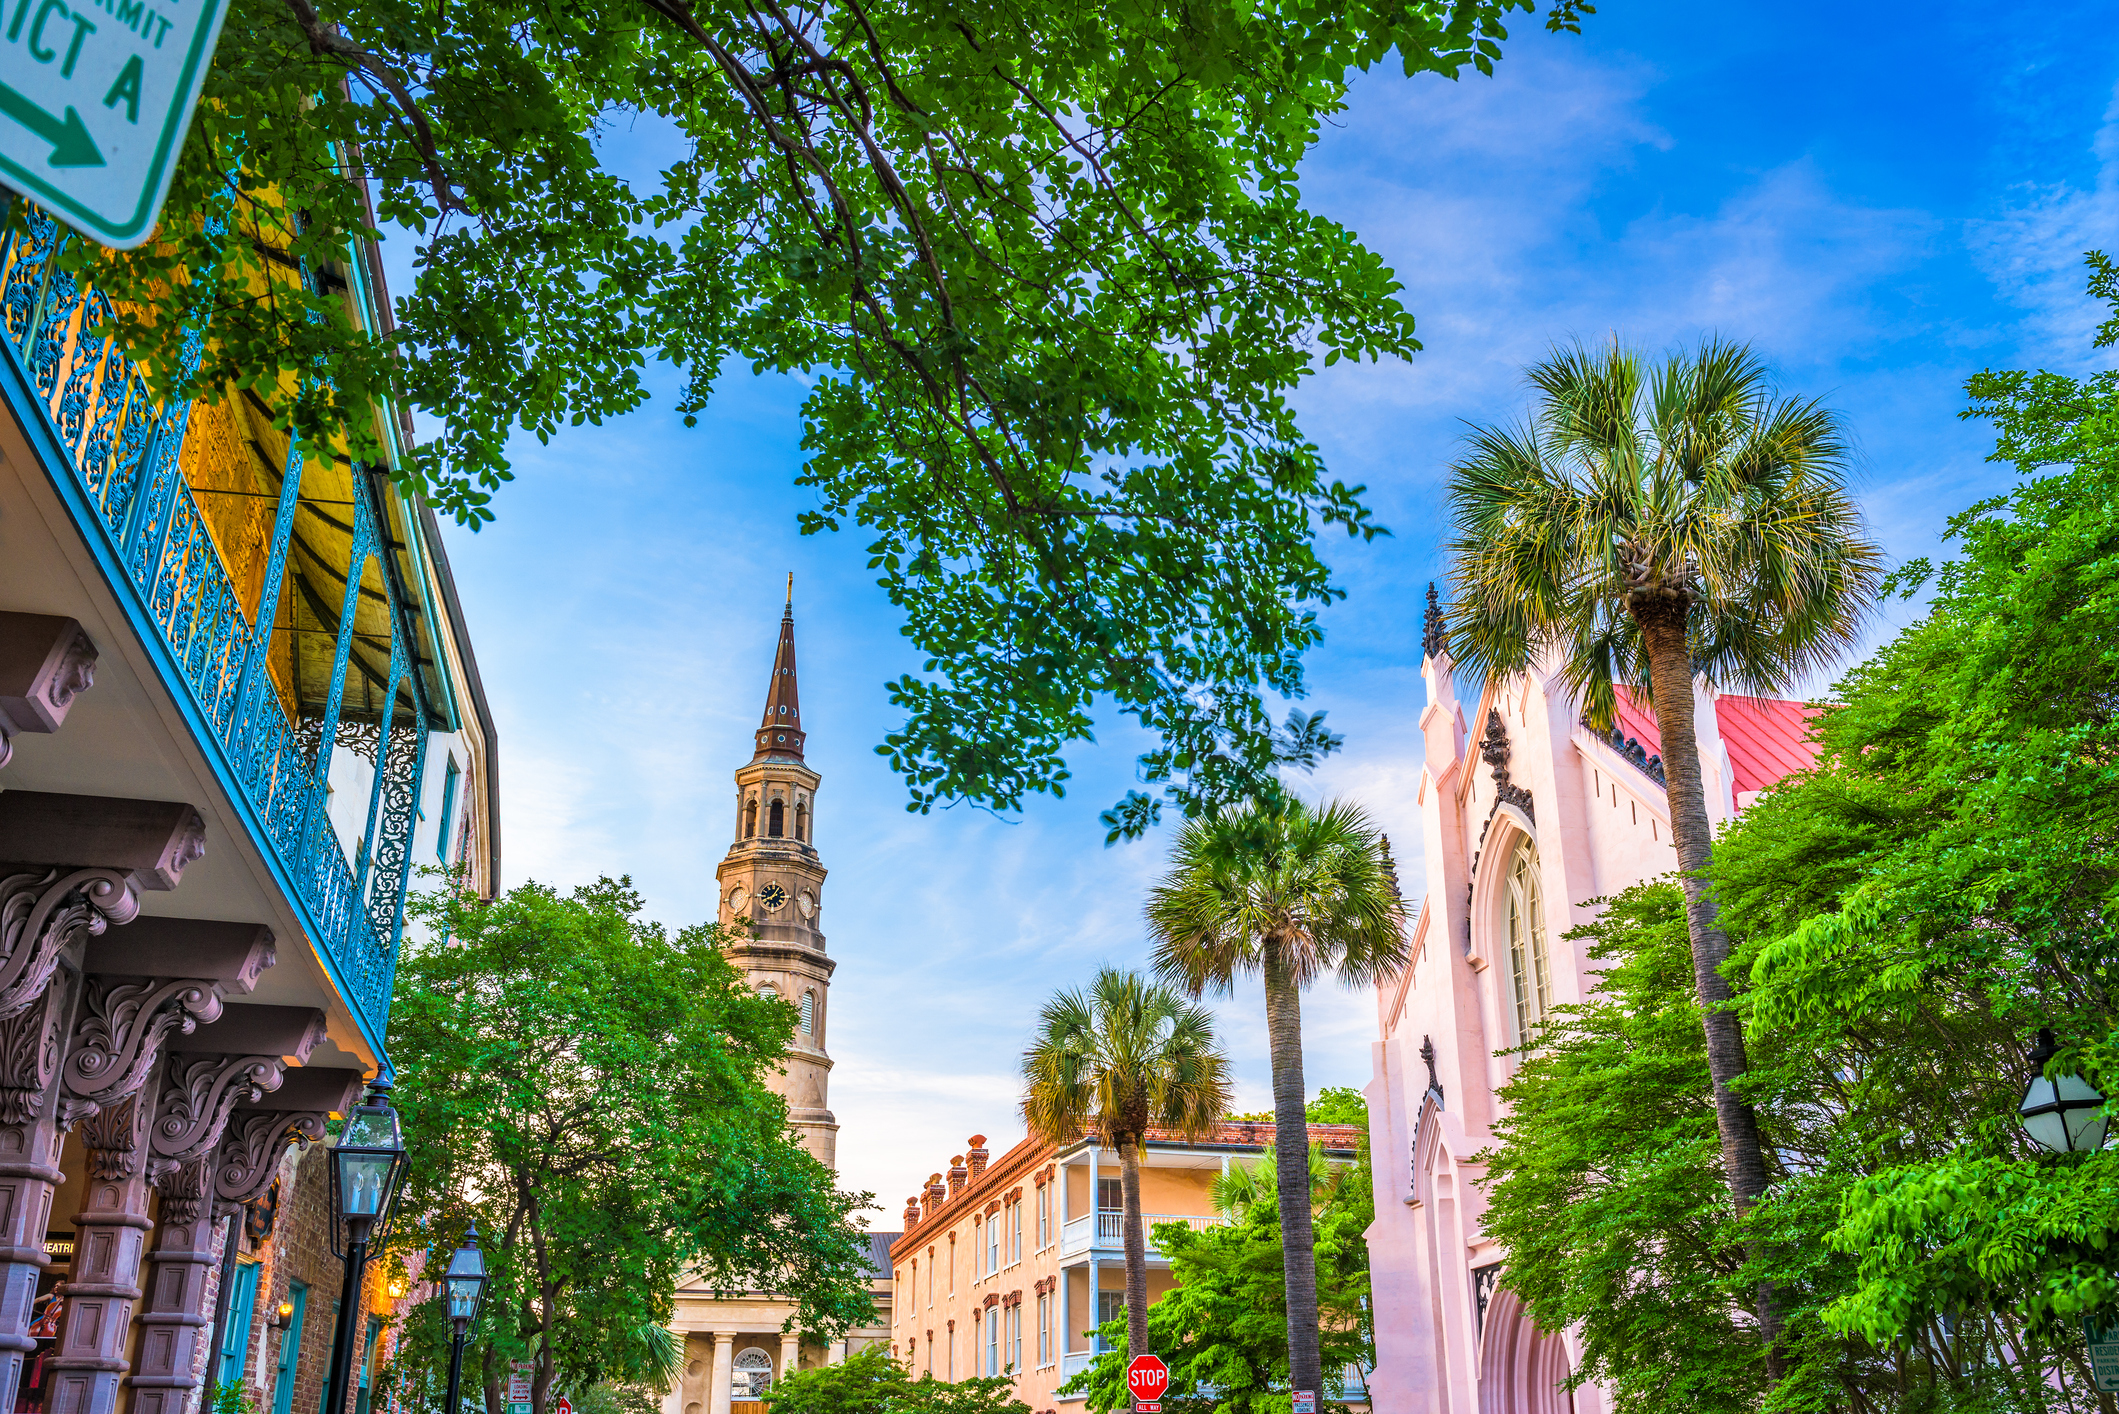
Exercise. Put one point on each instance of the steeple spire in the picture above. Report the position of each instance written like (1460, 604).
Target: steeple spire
(780, 733)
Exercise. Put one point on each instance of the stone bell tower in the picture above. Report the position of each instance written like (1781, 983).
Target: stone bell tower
(774, 877)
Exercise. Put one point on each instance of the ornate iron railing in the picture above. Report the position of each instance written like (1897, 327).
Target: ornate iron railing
(122, 448)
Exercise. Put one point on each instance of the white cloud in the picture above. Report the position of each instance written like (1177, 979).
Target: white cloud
(2033, 251)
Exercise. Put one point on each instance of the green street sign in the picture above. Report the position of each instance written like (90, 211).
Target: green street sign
(95, 98)
(2104, 1355)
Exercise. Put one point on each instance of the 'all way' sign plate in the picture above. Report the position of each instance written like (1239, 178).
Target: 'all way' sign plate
(95, 98)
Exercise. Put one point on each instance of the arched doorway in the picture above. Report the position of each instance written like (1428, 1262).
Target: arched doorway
(1522, 1369)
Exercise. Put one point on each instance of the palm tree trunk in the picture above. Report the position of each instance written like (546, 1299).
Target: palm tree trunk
(1291, 1140)
(1743, 1156)
(1136, 1248)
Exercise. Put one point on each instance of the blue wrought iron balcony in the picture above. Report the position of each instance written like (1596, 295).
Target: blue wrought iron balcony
(258, 657)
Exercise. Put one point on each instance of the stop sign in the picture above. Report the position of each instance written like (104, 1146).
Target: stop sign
(1147, 1377)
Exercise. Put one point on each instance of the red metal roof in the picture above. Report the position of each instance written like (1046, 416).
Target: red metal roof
(1767, 737)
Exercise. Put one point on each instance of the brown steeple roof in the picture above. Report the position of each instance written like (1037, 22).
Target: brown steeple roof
(780, 733)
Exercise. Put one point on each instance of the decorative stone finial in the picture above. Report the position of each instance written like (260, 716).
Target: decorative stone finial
(1434, 637)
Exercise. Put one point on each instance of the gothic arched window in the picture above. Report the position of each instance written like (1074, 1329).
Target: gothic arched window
(809, 1013)
(1529, 967)
(776, 821)
(802, 821)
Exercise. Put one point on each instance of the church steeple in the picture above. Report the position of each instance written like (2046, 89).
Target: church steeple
(780, 733)
(772, 890)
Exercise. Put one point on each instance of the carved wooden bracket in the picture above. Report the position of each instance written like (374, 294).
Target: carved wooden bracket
(199, 1093)
(249, 1156)
(153, 840)
(45, 911)
(119, 1032)
(45, 663)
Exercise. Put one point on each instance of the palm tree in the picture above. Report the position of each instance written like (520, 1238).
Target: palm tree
(1121, 1058)
(1647, 525)
(1291, 892)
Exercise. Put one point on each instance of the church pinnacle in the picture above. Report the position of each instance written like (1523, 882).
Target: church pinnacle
(780, 733)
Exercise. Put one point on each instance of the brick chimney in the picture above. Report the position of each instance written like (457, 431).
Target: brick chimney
(958, 1174)
(935, 1195)
(977, 1155)
(912, 1212)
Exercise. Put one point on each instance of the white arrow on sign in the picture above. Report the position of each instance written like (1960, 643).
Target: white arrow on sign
(95, 99)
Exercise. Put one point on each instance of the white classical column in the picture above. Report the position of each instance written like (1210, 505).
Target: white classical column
(790, 1354)
(717, 1393)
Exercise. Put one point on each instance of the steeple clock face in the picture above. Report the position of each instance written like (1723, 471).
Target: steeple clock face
(773, 897)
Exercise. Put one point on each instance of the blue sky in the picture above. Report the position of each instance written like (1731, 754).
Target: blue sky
(1882, 200)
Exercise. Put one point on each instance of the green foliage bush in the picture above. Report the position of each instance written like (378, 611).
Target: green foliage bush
(1224, 1330)
(871, 1382)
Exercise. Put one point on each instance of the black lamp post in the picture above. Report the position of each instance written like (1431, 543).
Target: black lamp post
(364, 1171)
(464, 1288)
(2063, 1115)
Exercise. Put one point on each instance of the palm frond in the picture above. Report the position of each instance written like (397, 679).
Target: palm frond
(1626, 487)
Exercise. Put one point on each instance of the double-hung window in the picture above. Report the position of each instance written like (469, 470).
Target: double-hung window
(1044, 1214)
(993, 1343)
(1044, 1325)
(978, 1248)
(1015, 1231)
(993, 1245)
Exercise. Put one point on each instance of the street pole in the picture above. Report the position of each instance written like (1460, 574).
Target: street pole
(348, 1324)
(456, 1367)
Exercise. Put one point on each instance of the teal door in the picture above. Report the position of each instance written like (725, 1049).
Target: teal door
(362, 1397)
(290, 1351)
(235, 1339)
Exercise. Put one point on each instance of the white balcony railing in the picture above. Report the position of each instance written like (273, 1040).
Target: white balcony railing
(1105, 1230)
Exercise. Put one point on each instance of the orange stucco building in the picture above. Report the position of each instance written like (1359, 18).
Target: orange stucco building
(1006, 1265)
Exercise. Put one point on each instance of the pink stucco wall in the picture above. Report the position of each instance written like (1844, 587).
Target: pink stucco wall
(1596, 822)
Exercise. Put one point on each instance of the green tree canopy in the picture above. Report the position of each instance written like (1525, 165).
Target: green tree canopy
(592, 1091)
(1046, 272)
(1943, 886)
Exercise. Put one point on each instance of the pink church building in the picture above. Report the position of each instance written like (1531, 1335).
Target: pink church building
(1528, 814)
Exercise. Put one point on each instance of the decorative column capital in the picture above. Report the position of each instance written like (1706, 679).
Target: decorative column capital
(186, 1190)
(30, 1042)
